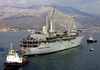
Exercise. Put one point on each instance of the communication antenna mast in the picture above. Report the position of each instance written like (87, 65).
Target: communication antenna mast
(72, 22)
(53, 17)
(11, 48)
(46, 23)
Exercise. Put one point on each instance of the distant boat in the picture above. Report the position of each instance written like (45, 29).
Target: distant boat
(91, 40)
(13, 60)
(6, 36)
(91, 49)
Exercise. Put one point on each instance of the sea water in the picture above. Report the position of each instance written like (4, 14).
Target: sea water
(78, 58)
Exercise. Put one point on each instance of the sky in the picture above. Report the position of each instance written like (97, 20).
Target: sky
(89, 6)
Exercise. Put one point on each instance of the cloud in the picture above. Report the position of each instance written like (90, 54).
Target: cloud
(41, 1)
(12, 2)
(90, 7)
(20, 1)
(86, 5)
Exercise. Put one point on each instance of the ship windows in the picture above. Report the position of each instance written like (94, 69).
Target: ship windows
(54, 40)
(65, 39)
(44, 41)
(39, 42)
(30, 42)
(37, 32)
(35, 42)
(24, 46)
(24, 42)
(32, 39)
(21, 41)
(29, 46)
(35, 46)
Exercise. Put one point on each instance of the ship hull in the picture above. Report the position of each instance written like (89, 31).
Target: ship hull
(52, 47)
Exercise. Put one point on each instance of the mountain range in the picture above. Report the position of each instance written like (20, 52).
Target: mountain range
(34, 16)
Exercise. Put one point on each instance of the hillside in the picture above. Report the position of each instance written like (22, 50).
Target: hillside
(67, 10)
(5, 26)
(85, 19)
(32, 18)
(89, 21)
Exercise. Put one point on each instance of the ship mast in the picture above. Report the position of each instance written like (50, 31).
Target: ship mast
(11, 48)
(71, 26)
(47, 25)
(53, 15)
(72, 22)
(52, 20)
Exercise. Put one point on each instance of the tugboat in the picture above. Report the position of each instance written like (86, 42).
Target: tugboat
(13, 60)
(91, 40)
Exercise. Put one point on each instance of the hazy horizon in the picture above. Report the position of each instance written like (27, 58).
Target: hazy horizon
(90, 6)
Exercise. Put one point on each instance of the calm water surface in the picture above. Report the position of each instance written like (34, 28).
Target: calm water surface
(78, 58)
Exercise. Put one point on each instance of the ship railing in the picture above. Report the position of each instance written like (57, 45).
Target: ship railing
(28, 42)
(80, 34)
(32, 40)
(48, 38)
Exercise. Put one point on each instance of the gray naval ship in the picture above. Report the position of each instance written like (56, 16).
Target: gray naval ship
(50, 40)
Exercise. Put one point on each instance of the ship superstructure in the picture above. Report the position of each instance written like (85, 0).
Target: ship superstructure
(50, 40)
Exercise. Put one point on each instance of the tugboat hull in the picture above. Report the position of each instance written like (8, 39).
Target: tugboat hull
(14, 64)
(91, 41)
